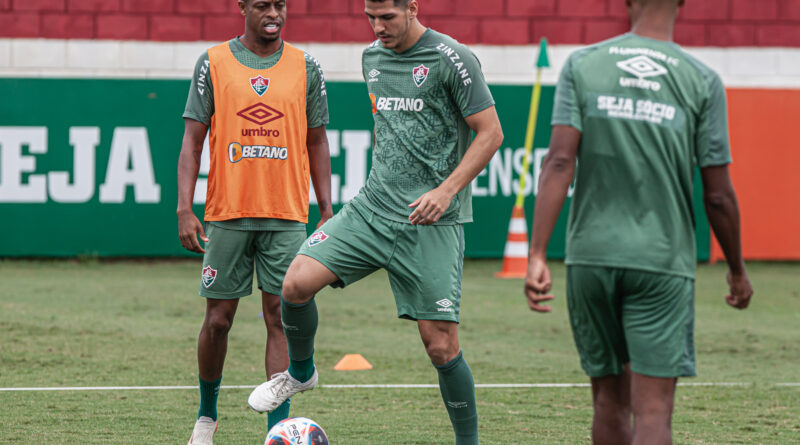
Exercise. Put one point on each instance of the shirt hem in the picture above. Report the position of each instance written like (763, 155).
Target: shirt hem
(478, 108)
(622, 265)
(404, 219)
(229, 216)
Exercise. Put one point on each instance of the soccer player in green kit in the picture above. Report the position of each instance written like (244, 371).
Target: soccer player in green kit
(428, 95)
(639, 115)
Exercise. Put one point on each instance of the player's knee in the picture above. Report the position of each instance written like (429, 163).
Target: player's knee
(218, 325)
(272, 314)
(293, 291)
(440, 352)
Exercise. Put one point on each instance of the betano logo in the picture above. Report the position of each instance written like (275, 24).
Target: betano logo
(237, 152)
(397, 104)
(260, 114)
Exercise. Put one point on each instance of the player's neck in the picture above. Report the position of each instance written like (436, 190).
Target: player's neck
(658, 25)
(260, 47)
(415, 32)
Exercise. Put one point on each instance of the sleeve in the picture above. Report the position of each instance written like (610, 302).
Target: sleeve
(712, 145)
(316, 94)
(468, 87)
(200, 103)
(566, 106)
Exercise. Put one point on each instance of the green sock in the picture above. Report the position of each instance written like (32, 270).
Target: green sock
(302, 370)
(278, 414)
(458, 393)
(300, 325)
(209, 391)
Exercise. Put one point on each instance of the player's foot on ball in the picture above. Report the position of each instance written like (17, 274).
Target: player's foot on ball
(203, 433)
(270, 394)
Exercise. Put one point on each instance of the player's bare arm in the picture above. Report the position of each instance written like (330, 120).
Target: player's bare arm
(189, 227)
(319, 160)
(558, 170)
(488, 137)
(722, 208)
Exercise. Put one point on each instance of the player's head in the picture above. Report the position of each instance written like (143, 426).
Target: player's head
(264, 19)
(391, 20)
(666, 5)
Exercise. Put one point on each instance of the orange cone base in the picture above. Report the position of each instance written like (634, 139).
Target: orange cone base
(353, 362)
(513, 268)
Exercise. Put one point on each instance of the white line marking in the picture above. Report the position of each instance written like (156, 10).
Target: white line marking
(386, 386)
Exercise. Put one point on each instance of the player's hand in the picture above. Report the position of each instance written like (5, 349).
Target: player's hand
(741, 291)
(324, 217)
(430, 207)
(538, 283)
(189, 227)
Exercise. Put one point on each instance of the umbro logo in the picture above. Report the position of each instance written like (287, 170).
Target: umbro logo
(446, 305)
(373, 75)
(642, 66)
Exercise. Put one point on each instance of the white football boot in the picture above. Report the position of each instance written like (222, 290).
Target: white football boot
(272, 393)
(203, 433)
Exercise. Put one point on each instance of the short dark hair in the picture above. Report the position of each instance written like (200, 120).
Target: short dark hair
(396, 2)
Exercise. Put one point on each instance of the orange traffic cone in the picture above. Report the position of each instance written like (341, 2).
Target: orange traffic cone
(352, 362)
(515, 257)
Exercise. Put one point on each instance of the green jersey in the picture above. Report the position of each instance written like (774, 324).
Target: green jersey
(649, 114)
(200, 107)
(419, 101)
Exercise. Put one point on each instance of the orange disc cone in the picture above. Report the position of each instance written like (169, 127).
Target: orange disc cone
(515, 256)
(352, 362)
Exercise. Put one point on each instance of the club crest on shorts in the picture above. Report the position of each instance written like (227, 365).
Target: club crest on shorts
(209, 275)
(317, 238)
(420, 75)
(260, 85)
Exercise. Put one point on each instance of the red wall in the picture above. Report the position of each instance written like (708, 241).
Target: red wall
(702, 22)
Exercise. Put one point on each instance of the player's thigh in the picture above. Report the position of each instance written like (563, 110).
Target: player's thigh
(227, 263)
(274, 252)
(658, 318)
(594, 306)
(352, 244)
(425, 271)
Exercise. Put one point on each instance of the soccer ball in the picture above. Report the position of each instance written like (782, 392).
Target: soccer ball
(296, 431)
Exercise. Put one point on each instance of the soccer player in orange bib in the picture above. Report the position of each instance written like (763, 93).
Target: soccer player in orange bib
(263, 103)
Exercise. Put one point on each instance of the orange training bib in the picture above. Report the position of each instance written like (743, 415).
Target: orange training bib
(259, 158)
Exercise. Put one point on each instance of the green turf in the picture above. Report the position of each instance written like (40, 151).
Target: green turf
(136, 323)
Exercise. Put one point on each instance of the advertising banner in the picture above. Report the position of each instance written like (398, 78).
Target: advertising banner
(89, 167)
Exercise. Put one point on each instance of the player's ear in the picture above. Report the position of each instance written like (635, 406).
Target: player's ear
(412, 9)
(242, 5)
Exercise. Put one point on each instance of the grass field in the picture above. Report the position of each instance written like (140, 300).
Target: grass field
(81, 324)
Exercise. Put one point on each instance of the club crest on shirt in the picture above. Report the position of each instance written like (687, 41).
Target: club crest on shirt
(260, 85)
(209, 275)
(420, 75)
(317, 238)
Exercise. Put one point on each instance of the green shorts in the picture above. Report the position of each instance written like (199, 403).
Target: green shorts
(621, 316)
(231, 254)
(424, 263)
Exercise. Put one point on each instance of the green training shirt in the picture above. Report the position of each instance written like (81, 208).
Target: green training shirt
(200, 107)
(649, 114)
(420, 99)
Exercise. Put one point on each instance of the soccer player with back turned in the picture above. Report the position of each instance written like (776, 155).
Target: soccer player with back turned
(639, 115)
(263, 102)
(428, 95)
